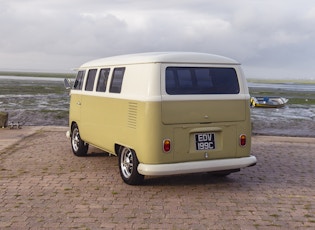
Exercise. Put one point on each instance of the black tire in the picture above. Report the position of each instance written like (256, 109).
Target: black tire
(79, 147)
(128, 166)
(225, 172)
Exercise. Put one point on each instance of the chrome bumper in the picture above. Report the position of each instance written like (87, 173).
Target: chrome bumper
(196, 166)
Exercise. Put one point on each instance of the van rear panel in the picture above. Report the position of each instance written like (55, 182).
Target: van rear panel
(207, 130)
(207, 109)
(204, 143)
(216, 141)
(204, 111)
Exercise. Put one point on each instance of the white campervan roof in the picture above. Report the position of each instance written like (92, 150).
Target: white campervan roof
(161, 57)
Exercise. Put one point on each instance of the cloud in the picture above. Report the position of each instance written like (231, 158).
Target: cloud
(58, 34)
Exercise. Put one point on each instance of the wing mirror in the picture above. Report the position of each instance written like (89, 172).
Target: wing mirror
(67, 83)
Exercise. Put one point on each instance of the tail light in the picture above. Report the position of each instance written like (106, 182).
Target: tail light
(166, 145)
(243, 140)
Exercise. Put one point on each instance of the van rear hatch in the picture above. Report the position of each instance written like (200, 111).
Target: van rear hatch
(202, 95)
(206, 107)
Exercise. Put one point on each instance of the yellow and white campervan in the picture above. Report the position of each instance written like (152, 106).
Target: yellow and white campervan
(163, 113)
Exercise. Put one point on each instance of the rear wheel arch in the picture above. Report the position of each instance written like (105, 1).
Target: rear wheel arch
(117, 149)
(128, 165)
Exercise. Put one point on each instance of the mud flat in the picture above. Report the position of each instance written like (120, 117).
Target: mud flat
(43, 101)
(34, 101)
(297, 118)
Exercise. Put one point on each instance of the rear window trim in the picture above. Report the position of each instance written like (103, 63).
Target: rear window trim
(193, 87)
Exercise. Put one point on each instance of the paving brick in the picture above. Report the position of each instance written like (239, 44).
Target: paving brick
(44, 186)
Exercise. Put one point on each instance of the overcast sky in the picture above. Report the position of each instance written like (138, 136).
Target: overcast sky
(271, 38)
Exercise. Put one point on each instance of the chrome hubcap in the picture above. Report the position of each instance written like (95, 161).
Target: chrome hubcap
(75, 139)
(126, 162)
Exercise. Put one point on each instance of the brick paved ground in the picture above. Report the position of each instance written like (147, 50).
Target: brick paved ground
(44, 186)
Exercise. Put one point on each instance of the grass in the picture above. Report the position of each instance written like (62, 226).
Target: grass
(72, 75)
(295, 97)
(281, 81)
(301, 98)
(302, 101)
(35, 88)
(36, 74)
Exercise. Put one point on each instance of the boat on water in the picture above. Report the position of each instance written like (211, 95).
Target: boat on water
(268, 102)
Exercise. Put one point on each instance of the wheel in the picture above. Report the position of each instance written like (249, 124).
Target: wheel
(128, 164)
(79, 147)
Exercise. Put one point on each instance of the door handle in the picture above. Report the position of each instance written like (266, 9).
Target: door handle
(78, 103)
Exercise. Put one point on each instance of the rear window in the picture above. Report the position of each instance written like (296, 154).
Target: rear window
(201, 80)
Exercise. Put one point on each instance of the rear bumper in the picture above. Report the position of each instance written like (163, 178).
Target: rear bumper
(196, 166)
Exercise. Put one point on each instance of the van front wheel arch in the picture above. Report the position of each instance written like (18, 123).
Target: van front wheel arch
(128, 166)
(79, 147)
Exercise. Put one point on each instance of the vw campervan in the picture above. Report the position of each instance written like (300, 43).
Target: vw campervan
(163, 113)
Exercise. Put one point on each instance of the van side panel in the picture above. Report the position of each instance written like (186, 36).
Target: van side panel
(75, 105)
(133, 124)
(118, 118)
(106, 121)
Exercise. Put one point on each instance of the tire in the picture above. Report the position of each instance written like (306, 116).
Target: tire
(225, 172)
(79, 147)
(128, 167)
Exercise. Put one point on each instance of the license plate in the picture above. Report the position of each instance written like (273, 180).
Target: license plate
(204, 141)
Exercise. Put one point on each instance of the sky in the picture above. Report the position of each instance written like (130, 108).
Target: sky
(270, 38)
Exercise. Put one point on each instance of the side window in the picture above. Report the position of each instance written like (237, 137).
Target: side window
(117, 79)
(79, 80)
(102, 80)
(90, 80)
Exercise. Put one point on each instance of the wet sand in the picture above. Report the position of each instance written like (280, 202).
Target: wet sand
(283, 127)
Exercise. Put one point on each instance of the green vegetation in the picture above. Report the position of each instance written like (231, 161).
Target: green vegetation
(15, 87)
(282, 81)
(295, 97)
(37, 74)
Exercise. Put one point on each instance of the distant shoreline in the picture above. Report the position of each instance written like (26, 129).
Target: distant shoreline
(71, 75)
(282, 81)
(36, 74)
